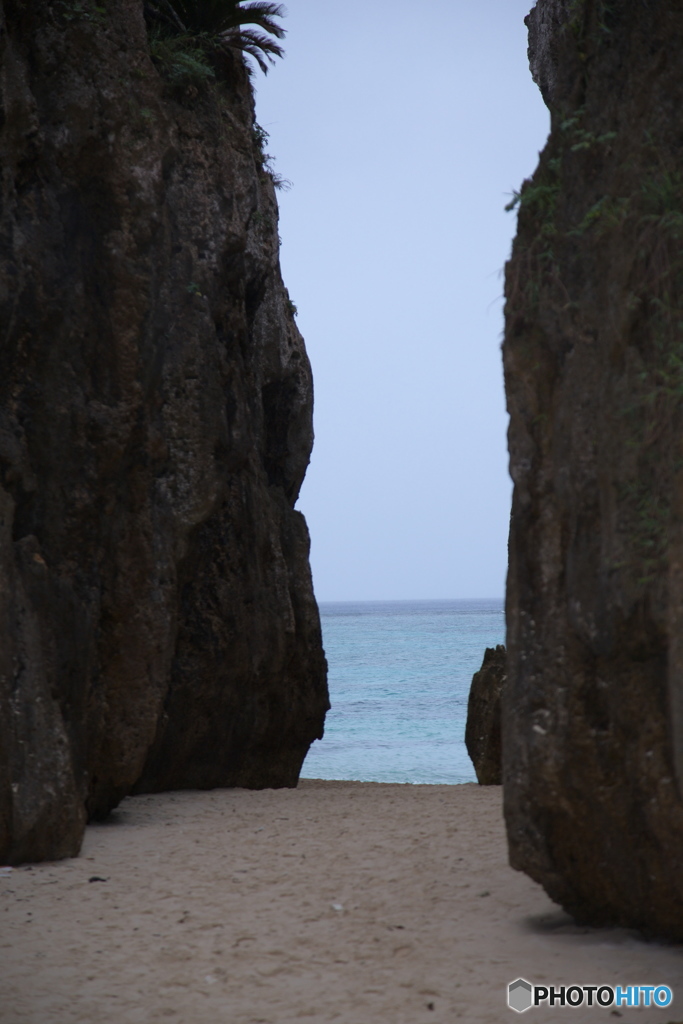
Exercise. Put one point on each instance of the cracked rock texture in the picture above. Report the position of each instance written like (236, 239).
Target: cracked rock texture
(157, 620)
(593, 707)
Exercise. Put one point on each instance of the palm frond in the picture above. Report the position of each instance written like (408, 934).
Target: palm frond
(221, 15)
(257, 45)
(225, 21)
(262, 12)
(255, 52)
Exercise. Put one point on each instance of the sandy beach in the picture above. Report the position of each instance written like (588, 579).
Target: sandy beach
(338, 901)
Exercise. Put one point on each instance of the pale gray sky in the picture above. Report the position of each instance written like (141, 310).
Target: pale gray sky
(403, 134)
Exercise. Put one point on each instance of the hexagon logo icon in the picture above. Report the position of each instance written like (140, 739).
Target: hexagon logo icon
(519, 995)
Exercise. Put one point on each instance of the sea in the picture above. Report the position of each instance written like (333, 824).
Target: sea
(399, 678)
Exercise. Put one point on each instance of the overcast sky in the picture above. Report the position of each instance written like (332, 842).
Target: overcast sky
(403, 130)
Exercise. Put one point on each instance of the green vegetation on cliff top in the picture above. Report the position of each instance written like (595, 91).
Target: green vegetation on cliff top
(218, 24)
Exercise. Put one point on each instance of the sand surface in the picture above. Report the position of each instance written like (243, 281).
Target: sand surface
(338, 901)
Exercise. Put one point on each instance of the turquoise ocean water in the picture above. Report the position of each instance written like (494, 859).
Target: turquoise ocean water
(400, 673)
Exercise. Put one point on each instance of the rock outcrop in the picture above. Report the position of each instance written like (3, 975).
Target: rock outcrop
(483, 729)
(157, 620)
(593, 719)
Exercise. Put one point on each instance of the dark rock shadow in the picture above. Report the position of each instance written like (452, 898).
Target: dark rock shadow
(114, 818)
(557, 922)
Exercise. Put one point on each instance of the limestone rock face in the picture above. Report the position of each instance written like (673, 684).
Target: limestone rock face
(592, 711)
(157, 620)
(483, 731)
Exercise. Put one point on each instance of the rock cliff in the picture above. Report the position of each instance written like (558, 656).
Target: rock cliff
(157, 620)
(483, 729)
(592, 714)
